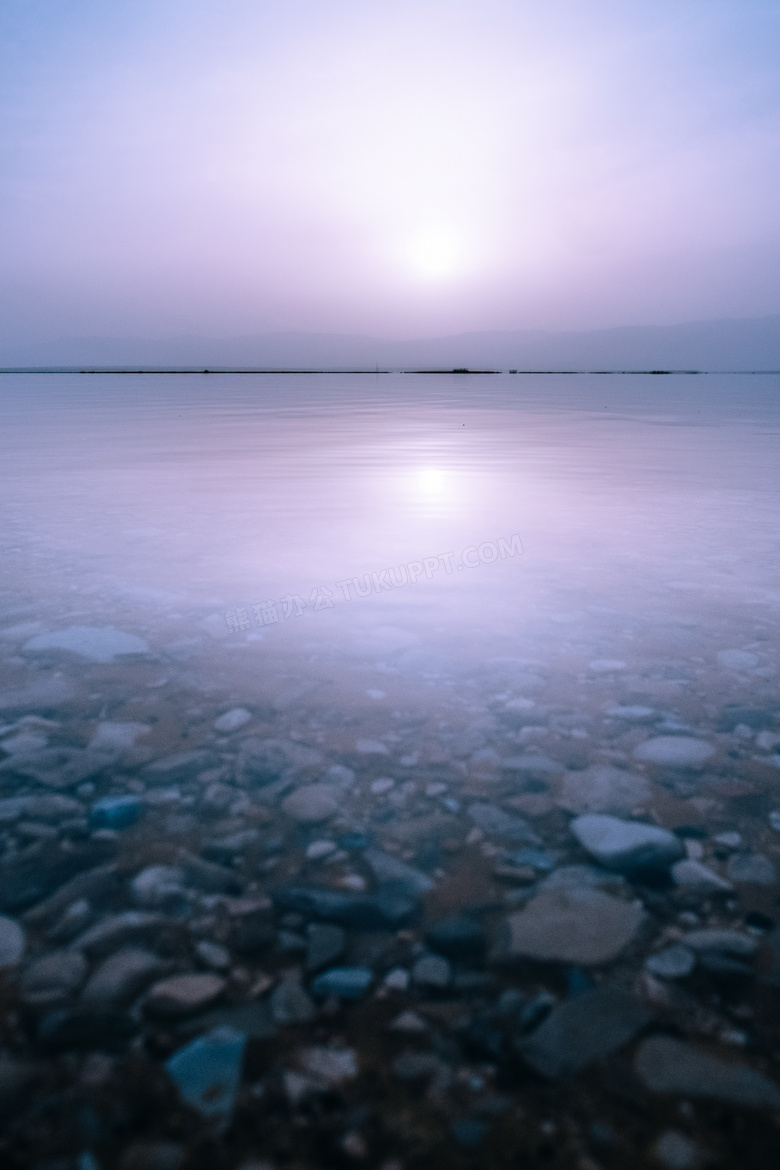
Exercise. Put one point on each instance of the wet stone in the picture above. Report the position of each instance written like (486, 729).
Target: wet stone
(312, 804)
(699, 879)
(495, 822)
(290, 1004)
(458, 937)
(116, 930)
(95, 643)
(57, 767)
(666, 1065)
(175, 768)
(159, 1155)
(751, 869)
(675, 962)
(232, 720)
(627, 846)
(54, 978)
(213, 955)
(737, 660)
(730, 942)
(207, 1072)
(115, 812)
(183, 995)
(572, 925)
(675, 751)
(343, 982)
(120, 978)
(406, 878)
(386, 910)
(158, 886)
(331, 1066)
(12, 942)
(324, 944)
(432, 972)
(604, 789)
(586, 1029)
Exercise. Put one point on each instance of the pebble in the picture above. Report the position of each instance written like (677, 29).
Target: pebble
(603, 789)
(774, 819)
(115, 812)
(332, 1066)
(320, 849)
(699, 878)
(674, 962)
(382, 911)
(312, 803)
(409, 1023)
(52, 979)
(207, 1072)
(382, 785)
(158, 886)
(12, 942)
(57, 767)
(213, 955)
(495, 822)
(432, 972)
(173, 769)
(290, 1004)
(632, 713)
(675, 751)
(677, 1152)
(751, 869)
(343, 982)
(232, 720)
(117, 737)
(666, 1065)
(404, 877)
(626, 845)
(371, 747)
(730, 942)
(588, 1028)
(397, 980)
(572, 926)
(458, 937)
(183, 994)
(120, 978)
(96, 643)
(116, 930)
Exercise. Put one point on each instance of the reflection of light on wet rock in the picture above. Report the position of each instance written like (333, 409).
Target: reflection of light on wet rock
(97, 643)
(232, 720)
(675, 751)
(603, 789)
(626, 845)
(699, 878)
(674, 962)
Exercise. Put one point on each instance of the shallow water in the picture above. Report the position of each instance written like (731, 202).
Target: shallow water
(450, 589)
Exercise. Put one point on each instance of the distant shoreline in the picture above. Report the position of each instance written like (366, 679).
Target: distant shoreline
(279, 370)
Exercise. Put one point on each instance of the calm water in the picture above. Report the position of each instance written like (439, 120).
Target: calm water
(160, 503)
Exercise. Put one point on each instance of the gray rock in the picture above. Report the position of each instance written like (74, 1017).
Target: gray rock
(116, 930)
(312, 803)
(232, 720)
(330, 1066)
(35, 872)
(382, 911)
(496, 822)
(57, 767)
(572, 926)
(51, 980)
(182, 995)
(213, 955)
(120, 978)
(585, 876)
(343, 982)
(674, 962)
(534, 765)
(675, 751)
(290, 1004)
(677, 1152)
(75, 920)
(94, 884)
(158, 886)
(12, 942)
(666, 1065)
(729, 942)
(751, 869)
(698, 878)
(39, 696)
(627, 846)
(325, 944)
(371, 747)
(96, 643)
(632, 713)
(389, 869)
(585, 1029)
(433, 972)
(603, 789)
(180, 766)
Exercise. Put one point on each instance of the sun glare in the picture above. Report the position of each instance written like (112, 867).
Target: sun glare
(435, 254)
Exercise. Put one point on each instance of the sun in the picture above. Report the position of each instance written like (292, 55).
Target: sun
(435, 253)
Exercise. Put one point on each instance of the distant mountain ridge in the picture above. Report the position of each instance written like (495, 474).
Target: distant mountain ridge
(730, 344)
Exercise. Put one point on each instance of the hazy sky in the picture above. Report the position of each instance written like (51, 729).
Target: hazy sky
(398, 167)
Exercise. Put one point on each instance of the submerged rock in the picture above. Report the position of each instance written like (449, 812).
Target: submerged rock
(312, 803)
(675, 751)
(12, 942)
(495, 822)
(699, 878)
(207, 1072)
(627, 846)
(751, 869)
(97, 643)
(385, 910)
(666, 1065)
(603, 789)
(674, 962)
(343, 982)
(572, 926)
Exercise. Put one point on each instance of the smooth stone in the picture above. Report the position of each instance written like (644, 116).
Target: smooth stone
(632, 713)
(116, 930)
(751, 869)
(674, 962)
(120, 978)
(626, 845)
(179, 766)
(232, 720)
(458, 937)
(532, 764)
(585, 1029)
(397, 979)
(737, 659)
(573, 926)
(12, 942)
(433, 972)
(51, 980)
(324, 944)
(75, 920)
(536, 858)
(96, 884)
(675, 751)
(40, 696)
(96, 643)
(495, 822)
(385, 910)
(585, 876)
(158, 886)
(115, 812)
(730, 942)
(343, 982)
(57, 767)
(117, 737)
(699, 878)
(213, 955)
(603, 789)
(371, 747)
(409, 1023)
(320, 849)
(312, 803)
(405, 878)
(677, 1152)
(290, 1004)
(183, 994)
(331, 1066)
(207, 1072)
(51, 807)
(37, 871)
(23, 743)
(666, 1065)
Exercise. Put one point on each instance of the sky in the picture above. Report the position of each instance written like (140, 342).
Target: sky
(402, 168)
